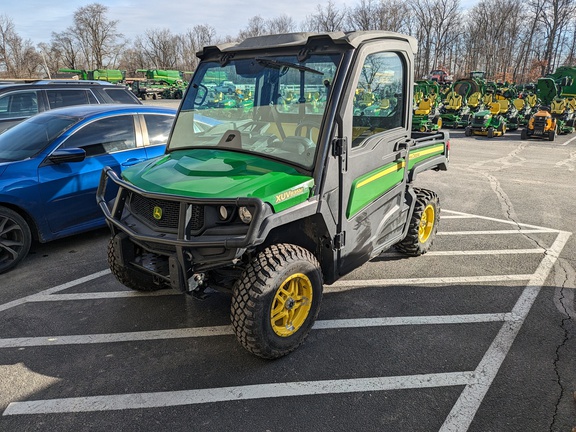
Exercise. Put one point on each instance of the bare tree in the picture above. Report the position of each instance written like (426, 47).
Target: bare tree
(97, 35)
(555, 17)
(193, 41)
(160, 48)
(363, 15)
(390, 16)
(18, 57)
(327, 18)
(256, 27)
(281, 24)
(67, 50)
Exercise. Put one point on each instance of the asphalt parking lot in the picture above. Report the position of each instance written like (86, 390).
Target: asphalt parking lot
(477, 335)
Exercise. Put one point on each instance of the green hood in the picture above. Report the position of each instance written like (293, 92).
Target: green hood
(483, 113)
(204, 173)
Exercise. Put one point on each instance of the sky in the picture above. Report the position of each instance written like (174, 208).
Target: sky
(37, 19)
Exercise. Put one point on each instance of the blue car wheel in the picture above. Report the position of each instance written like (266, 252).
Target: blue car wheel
(15, 239)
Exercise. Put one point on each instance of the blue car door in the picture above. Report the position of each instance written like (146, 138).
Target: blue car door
(69, 189)
(158, 127)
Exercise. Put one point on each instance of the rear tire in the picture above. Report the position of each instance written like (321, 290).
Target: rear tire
(423, 224)
(277, 300)
(130, 278)
(15, 239)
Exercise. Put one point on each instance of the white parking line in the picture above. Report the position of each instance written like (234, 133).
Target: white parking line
(497, 232)
(569, 141)
(199, 332)
(343, 285)
(509, 222)
(487, 252)
(225, 394)
(101, 295)
(476, 382)
(61, 287)
(468, 403)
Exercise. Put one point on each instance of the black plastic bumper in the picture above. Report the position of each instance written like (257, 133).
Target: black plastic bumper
(184, 252)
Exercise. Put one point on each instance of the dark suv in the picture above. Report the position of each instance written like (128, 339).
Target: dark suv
(18, 101)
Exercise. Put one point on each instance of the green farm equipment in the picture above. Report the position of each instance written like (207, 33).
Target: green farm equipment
(507, 108)
(113, 76)
(454, 111)
(488, 122)
(168, 76)
(426, 116)
(159, 83)
(465, 98)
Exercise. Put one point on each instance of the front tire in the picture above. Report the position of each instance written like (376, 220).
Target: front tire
(423, 224)
(15, 239)
(129, 277)
(277, 300)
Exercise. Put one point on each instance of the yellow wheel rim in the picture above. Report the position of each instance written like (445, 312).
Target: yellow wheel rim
(291, 305)
(426, 224)
(439, 123)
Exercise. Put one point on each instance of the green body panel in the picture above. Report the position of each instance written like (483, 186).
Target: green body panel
(418, 155)
(374, 184)
(206, 173)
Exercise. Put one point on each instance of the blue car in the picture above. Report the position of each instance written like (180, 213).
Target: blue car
(50, 167)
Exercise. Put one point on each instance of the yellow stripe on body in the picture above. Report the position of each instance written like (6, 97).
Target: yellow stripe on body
(392, 169)
(425, 152)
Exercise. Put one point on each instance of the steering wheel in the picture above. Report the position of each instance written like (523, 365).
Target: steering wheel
(307, 127)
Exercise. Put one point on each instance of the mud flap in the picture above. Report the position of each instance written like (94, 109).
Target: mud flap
(177, 279)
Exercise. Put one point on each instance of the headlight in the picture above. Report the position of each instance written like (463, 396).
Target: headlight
(223, 213)
(245, 215)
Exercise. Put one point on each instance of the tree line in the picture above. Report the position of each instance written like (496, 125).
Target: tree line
(510, 40)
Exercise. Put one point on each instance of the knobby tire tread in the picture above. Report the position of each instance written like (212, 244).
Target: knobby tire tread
(411, 245)
(246, 304)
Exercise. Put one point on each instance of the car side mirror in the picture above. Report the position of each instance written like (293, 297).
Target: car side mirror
(67, 155)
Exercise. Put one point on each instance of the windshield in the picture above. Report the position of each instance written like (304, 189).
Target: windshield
(30, 137)
(271, 106)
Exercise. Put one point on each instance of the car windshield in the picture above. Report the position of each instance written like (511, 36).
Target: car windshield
(271, 106)
(30, 137)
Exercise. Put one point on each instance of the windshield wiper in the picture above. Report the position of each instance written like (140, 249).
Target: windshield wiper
(279, 64)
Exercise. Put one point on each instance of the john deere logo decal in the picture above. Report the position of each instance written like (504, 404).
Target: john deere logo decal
(157, 213)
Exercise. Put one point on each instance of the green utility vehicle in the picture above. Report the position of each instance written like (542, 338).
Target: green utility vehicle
(272, 204)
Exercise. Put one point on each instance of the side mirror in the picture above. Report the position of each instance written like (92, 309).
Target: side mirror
(67, 155)
(201, 93)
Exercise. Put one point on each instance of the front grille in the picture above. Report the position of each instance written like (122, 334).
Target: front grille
(478, 122)
(163, 214)
(539, 122)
